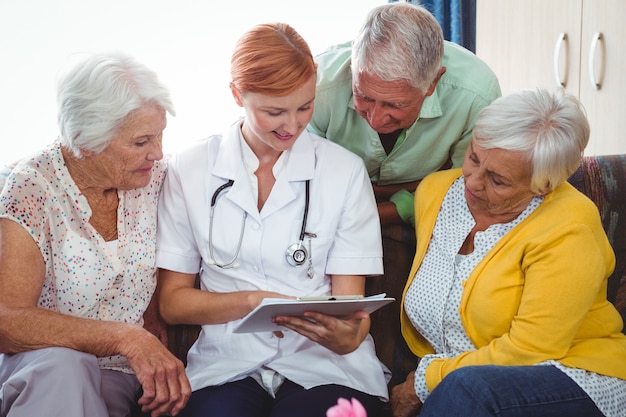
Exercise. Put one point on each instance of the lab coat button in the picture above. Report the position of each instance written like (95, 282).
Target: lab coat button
(255, 226)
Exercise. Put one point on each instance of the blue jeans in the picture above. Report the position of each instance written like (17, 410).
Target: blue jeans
(508, 391)
(246, 398)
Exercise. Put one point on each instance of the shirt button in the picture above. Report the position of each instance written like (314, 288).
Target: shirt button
(255, 226)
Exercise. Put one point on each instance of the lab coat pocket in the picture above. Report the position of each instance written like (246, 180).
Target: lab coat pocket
(318, 248)
(312, 256)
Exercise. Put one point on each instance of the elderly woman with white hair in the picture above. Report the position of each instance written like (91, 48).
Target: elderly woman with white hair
(77, 255)
(506, 300)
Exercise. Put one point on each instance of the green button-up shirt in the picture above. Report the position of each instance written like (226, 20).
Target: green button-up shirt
(442, 130)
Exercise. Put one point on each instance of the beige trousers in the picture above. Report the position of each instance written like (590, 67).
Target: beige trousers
(62, 382)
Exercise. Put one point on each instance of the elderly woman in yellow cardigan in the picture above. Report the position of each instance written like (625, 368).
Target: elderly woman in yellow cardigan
(506, 301)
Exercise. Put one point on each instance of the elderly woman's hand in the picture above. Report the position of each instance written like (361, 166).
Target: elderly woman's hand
(166, 388)
(341, 335)
(404, 400)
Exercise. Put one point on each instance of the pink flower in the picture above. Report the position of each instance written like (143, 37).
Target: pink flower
(345, 408)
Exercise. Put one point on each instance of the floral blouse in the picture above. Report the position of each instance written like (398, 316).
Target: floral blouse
(86, 276)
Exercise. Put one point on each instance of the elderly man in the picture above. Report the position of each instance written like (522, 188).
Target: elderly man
(403, 99)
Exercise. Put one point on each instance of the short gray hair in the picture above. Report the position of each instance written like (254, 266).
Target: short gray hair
(550, 128)
(96, 94)
(399, 41)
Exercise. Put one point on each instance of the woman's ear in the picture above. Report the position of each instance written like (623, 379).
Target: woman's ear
(86, 153)
(236, 94)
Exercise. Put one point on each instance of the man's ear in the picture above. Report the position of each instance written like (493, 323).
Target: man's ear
(433, 85)
(236, 95)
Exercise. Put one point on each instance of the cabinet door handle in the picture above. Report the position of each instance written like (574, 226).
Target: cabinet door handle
(595, 83)
(557, 53)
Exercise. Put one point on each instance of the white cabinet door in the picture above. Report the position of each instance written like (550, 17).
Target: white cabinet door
(604, 60)
(519, 39)
(575, 43)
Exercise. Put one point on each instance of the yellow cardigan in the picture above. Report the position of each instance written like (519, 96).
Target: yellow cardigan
(539, 294)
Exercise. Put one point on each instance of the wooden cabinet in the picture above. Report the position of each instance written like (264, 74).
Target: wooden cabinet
(576, 44)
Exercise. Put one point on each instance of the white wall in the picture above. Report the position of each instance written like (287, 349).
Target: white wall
(188, 42)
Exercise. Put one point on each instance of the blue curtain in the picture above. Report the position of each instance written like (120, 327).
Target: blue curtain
(456, 17)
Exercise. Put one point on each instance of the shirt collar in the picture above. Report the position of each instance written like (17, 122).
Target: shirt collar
(251, 161)
(297, 164)
(431, 107)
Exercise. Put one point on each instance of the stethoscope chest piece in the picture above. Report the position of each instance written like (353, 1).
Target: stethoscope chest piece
(296, 254)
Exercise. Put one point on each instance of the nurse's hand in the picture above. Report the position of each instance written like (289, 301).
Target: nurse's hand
(341, 335)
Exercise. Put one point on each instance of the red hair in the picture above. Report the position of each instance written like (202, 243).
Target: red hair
(271, 59)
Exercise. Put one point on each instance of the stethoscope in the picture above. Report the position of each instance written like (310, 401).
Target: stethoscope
(296, 254)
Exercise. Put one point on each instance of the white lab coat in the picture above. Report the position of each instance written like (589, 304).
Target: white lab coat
(343, 216)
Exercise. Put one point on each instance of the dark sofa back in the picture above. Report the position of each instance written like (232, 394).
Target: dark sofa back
(603, 179)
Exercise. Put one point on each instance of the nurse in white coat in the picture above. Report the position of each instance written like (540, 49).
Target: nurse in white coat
(234, 209)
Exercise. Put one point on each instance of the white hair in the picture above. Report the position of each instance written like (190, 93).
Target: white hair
(97, 94)
(399, 41)
(550, 128)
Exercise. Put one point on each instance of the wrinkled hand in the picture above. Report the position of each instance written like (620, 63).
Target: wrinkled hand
(166, 388)
(404, 400)
(341, 335)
